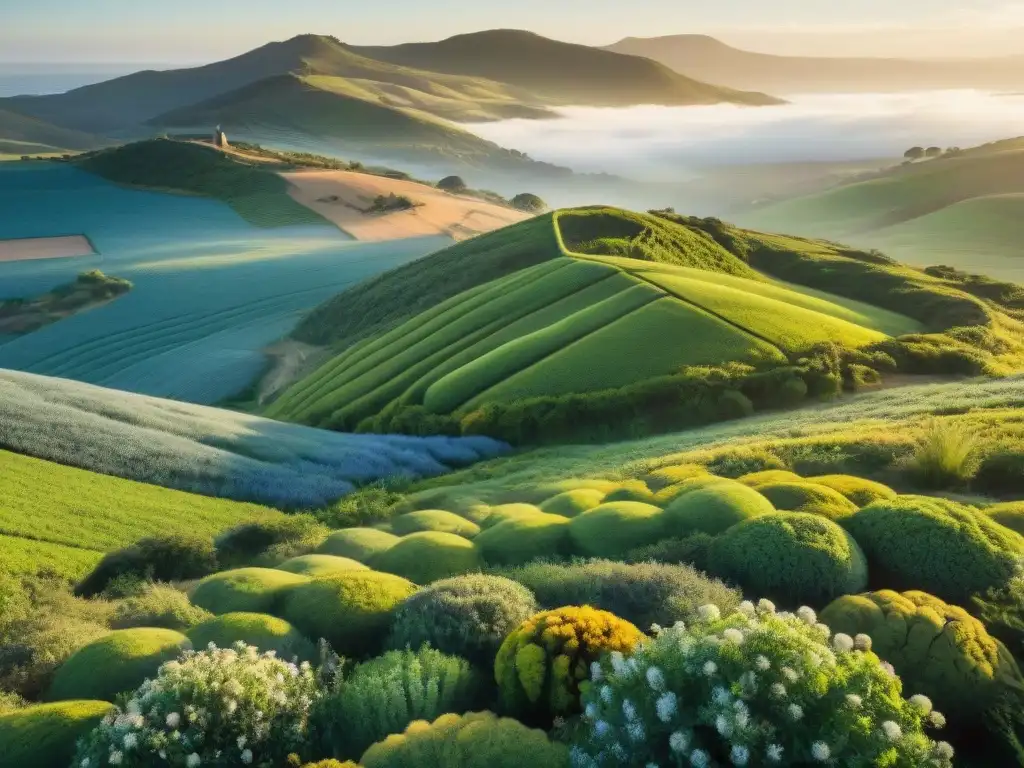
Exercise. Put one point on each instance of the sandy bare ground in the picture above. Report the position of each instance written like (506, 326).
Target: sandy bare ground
(31, 248)
(341, 196)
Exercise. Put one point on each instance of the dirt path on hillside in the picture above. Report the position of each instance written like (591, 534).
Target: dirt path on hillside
(291, 361)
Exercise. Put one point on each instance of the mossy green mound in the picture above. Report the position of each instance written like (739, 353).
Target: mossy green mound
(665, 496)
(427, 556)
(528, 538)
(714, 507)
(858, 490)
(352, 611)
(947, 549)
(791, 557)
(268, 633)
(573, 503)
(246, 590)
(670, 475)
(45, 735)
(614, 528)
(115, 663)
(755, 479)
(357, 543)
(436, 521)
(631, 490)
(320, 565)
(502, 512)
(808, 498)
(1009, 515)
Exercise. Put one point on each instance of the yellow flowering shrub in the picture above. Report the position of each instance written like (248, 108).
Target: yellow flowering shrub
(541, 664)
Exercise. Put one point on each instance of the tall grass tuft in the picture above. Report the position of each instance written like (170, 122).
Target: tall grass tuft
(945, 455)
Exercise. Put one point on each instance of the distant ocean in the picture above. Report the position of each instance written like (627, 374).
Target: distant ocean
(37, 79)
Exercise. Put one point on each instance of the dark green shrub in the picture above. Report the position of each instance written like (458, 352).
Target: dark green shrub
(858, 490)
(614, 528)
(158, 606)
(245, 590)
(474, 740)
(116, 663)
(714, 508)
(383, 695)
(434, 520)
(425, 557)
(366, 506)
(320, 565)
(467, 616)
(44, 735)
(358, 543)
(528, 538)
(267, 633)
(528, 202)
(642, 594)
(573, 503)
(352, 611)
(174, 557)
(809, 498)
(947, 549)
(452, 184)
(1000, 472)
(790, 557)
(264, 542)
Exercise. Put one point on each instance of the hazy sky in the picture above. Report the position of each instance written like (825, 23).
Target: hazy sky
(203, 30)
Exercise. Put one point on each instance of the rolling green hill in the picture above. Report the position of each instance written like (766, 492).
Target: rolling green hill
(21, 134)
(562, 72)
(598, 308)
(960, 209)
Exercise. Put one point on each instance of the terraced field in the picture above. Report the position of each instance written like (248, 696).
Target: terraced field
(210, 291)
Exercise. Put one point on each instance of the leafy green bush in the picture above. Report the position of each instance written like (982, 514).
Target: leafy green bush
(614, 528)
(809, 498)
(573, 503)
(320, 565)
(945, 455)
(267, 633)
(943, 652)
(427, 556)
(665, 496)
(752, 688)
(528, 538)
(947, 549)
(540, 665)
(357, 543)
(436, 520)
(221, 707)
(115, 663)
(689, 550)
(631, 490)
(174, 557)
(714, 508)
(858, 490)
(468, 616)
(266, 542)
(383, 695)
(1000, 472)
(1009, 515)
(502, 512)
(755, 479)
(526, 201)
(158, 606)
(790, 556)
(672, 474)
(642, 594)
(474, 740)
(44, 735)
(352, 611)
(247, 590)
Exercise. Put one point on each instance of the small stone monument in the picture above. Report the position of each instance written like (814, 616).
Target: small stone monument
(220, 139)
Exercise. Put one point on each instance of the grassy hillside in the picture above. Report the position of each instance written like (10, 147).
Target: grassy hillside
(958, 209)
(544, 314)
(29, 135)
(562, 72)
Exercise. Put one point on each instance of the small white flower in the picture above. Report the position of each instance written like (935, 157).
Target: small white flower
(790, 674)
(231, 706)
(710, 668)
(944, 749)
(921, 703)
(578, 758)
(618, 662)
(601, 729)
(628, 709)
(843, 642)
(862, 642)
(192, 760)
(762, 663)
(748, 681)
(84, 763)
(820, 751)
(679, 626)
(699, 758)
(892, 730)
(720, 696)
(823, 629)
(775, 752)
(739, 755)
(766, 607)
(778, 690)
(130, 741)
(666, 706)
(854, 700)
(246, 756)
(723, 726)
(656, 629)
(635, 729)
(796, 712)
(606, 694)
(937, 719)
(747, 609)
(734, 636)
(678, 742)
(596, 673)
(807, 615)
(173, 720)
(163, 754)
(133, 707)
(115, 758)
(590, 711)
(709, 612)
(241, 742)
(655, 679)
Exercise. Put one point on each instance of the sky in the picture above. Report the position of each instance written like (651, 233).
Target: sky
(187, 31)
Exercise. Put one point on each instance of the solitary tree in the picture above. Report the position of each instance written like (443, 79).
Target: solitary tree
(452, 184)
(933, 152)
(528, 202)
(914, 153)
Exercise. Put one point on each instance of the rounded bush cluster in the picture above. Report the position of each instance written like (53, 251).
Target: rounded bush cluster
(427, 556)
(474, 740)
(352, 611)
(631, 490)
(358, 543)
(765, 476)
(541, 664)
(174, 557)
(468, 616)
(247, 590)
(809, 498)
(790, 556)
(614, 528)
(754, 688)
(946, 549)
(158, 605)
(573, 503)
(1009, 515)
(504, 512)
(665, 496)
(224, 707)
(267, 633)
(436, 520)
(46, 734)
(520, 540)
(672, 474)
(715, 508)
(115, 663)
(858, 490)
(320, 565)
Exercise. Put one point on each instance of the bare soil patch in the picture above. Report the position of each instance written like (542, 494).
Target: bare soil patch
(33, 248)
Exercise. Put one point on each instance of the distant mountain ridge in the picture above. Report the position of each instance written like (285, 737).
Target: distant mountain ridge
(711, 60)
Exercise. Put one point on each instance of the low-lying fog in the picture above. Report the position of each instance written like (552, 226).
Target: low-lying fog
(662, 143)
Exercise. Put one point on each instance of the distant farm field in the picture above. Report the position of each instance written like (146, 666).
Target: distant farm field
(210, 290)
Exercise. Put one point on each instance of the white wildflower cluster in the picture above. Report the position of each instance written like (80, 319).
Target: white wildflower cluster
(219, 707)
(759, 686)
